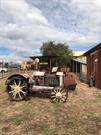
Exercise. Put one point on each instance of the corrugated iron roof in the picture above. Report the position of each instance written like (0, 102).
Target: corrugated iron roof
(80, 60)
(93, 49)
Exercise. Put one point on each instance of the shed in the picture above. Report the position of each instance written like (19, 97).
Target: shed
(79, 66)
(94, 64)
(48, 61)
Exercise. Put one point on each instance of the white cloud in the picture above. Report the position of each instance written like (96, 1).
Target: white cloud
(25, 26)
(22, 13)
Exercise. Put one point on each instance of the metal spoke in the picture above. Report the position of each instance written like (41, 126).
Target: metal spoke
(23, 86)
(53, 96)
(64, 94)
(54, 99)
(23, 92)
(62, 91)
(58, 90)
(59, 95)
(62, 100)
(17, 90)
(12, 86)
(19, 83)
(57, 99)
(19, 95)
(15, 83)
(55, 90)
(10, 91)
(53, 93)
(14, 94)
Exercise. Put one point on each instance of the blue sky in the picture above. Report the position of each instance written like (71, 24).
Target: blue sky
(26, 24)
(4, 51)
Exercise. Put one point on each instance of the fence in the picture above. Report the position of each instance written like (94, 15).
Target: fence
(11, 65)
(8, 67)
(9, 72)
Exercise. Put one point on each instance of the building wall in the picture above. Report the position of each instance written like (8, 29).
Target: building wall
(79, 67)
(88, 66)
(98, 70)
(94, 65)
(84, 69)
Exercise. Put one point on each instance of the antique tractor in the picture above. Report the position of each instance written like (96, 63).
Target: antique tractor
(55, 84)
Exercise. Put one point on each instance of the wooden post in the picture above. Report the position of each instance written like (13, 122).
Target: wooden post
(2, 69)
(73, 66)
(50, 63)
(56, 63)
(76, 67)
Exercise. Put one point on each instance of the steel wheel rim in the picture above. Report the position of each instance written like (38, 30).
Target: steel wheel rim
(17, 90)
(59, 95)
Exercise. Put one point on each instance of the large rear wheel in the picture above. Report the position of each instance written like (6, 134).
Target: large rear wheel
(17, 88)
(59, 95)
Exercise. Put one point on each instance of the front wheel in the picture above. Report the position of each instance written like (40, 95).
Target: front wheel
(17, 89)
(59, 95)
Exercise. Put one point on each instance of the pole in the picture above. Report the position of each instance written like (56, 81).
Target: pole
(50, 63)
(2, 70)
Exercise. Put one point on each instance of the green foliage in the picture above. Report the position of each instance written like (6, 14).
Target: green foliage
(61, 50)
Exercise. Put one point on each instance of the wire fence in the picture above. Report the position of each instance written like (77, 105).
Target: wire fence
(9, 72)
(13, 66)
(8, 67)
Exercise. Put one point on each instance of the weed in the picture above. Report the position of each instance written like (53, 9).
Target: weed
(1, 133)
(48, 131)
(17, 120)
(58, 131)
(71, 131)
(98, 97)
(88, 101)
(98, 118)
(1, 114)
(2, 86)
(88, 130)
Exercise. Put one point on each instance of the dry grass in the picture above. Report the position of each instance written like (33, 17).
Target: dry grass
(80, 115)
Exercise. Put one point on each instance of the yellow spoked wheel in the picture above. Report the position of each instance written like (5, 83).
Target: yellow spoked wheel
(17, 89)
(59, 95)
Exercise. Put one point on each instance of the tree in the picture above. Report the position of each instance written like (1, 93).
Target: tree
(48, 49)
(61, 50)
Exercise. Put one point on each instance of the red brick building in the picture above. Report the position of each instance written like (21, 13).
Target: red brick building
(94, 64)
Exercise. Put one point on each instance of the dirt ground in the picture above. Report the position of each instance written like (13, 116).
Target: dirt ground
(80, 115)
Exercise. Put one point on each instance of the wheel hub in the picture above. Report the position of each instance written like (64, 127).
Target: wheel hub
(58, 95)
(17, 90)
(16, 87)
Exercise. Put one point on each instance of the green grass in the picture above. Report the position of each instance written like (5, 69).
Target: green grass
(1, 114)
(1, 133)
(98, 97)
(48, 131)
(2, 86)
(58, 131)
(98, 117)
(18, 120)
